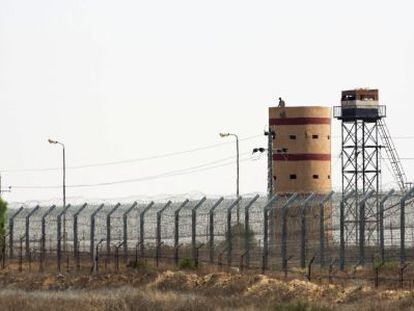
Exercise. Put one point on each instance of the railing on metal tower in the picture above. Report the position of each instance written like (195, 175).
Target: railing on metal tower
(393, 157)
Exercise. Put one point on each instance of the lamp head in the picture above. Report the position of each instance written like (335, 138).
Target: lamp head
(52, 141)
(224, 134)
(261, 150)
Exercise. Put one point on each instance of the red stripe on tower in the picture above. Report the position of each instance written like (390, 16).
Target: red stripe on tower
(299, 121)
(302, 157)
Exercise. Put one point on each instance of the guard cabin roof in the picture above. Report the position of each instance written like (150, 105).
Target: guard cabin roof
(366, 96)
(359, 104)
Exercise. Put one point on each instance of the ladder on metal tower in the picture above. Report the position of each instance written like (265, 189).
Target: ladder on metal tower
(393, 157)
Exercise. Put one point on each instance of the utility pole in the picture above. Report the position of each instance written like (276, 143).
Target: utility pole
(270, 137)
(270, 187)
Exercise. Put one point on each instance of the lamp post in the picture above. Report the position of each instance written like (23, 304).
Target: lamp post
(238, 168)
(55, 142)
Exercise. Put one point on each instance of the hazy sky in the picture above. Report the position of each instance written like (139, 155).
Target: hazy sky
(119, 80)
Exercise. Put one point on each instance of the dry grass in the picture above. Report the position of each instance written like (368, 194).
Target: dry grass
(126, 298)
(147, 289)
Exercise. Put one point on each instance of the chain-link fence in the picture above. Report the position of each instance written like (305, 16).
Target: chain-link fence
(245, 232)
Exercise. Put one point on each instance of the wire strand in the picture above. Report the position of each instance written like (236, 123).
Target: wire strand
(185, 171)
(165, 155)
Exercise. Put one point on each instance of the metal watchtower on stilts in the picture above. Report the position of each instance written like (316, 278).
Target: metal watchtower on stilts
(361, 116)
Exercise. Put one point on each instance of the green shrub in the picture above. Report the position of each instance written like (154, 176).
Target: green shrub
(186, 264)
(3, 211)
(139, 265)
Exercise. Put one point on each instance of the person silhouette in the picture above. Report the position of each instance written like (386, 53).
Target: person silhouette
(281, 102)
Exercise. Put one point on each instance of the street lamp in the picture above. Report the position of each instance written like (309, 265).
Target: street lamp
(238, 167)
(261, 150)
(55, 142)
(237, 160)
(269, 168)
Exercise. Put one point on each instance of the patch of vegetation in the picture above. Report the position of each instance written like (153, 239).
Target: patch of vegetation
(139, 265)
(186, 264)
(377, 262)
(391, 266)
(299, 306)
(239, 234)
(3, 211)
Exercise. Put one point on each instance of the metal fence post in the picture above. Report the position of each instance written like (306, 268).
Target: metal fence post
(381, 223)
(342, 230)
(322, 228)
(11, 231)
(125, 229)
(92, 236)
(177, 229)
(229, 230)
(158, 230)
(362, 204)
(303, 230)
(3, 251)
(342, 235)
(196, 257)
(193, 227)
(117, 255)
(247, 231)
(402, 232)
(272, 232)
(59, 233)
(108, 228)
(284, 210)
(141, 227)
(27, 235)
(211, 228)
(43, 238)
(75, 231)
(402, 225)
(266, 208)
(95, 255)
(21, 254)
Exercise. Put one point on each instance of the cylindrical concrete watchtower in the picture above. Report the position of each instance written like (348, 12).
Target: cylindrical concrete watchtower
(301, 149)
